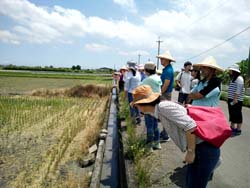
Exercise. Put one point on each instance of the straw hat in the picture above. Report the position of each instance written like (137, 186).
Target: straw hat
(123, 68)
(166, 55)
(141, 67)
(159, 71)
(209, 62)
(235, 68)
(117, 73)
(150, 65)
(143, 94)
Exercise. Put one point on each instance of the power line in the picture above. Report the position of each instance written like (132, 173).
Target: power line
(216, 46)
(207, 13)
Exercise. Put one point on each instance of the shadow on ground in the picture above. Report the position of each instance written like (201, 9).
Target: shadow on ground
(178, 176)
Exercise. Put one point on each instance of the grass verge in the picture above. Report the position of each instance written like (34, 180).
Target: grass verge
(135, 148)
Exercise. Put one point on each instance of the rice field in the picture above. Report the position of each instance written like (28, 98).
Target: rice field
(42, 139)
(12, 85)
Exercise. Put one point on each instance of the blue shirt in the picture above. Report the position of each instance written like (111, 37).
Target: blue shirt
(211, 92)
(168, 74)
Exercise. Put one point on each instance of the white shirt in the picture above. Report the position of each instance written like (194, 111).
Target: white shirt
(185, 79)
(131, 81)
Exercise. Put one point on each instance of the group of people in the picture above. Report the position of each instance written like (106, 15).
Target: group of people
(151, 95)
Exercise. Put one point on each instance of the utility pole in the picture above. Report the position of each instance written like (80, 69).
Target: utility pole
(159, 43)
(139, 56)
(248, 68)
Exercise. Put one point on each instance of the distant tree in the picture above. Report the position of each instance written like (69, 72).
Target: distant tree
(78, 67)
(73, 67)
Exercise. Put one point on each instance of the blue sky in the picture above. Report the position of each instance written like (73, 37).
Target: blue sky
(108, 33)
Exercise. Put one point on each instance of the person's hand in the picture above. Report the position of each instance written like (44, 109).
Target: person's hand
(189, 159)
(235, 101)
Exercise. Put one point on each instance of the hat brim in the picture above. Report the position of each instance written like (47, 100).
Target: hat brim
(165, 57)
(236, 70)
(149, 99)
(218, 69)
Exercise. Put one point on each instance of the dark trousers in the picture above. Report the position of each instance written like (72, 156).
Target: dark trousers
(235, 111)
(199, 172)
(183, 97)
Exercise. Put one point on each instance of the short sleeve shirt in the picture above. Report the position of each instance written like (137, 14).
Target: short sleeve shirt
(168, 74)
(175, 120)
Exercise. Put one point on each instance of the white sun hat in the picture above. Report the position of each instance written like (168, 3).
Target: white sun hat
(235, 68)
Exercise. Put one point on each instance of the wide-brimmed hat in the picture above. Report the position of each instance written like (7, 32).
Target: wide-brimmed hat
(209, 62)
(166, 55)
(235, 68)
(143, 94)
(159, 71)
(149, 65)
(141, 67)
(131, 65)
(123, 68)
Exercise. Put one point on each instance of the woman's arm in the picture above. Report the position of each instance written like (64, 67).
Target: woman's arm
(191, 143)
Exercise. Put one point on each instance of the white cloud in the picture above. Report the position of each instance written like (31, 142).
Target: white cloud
(7, 37)
(134, 53)
(97, 47)
(188, 29)
(39, 25)
(129, 4)
(200, 25)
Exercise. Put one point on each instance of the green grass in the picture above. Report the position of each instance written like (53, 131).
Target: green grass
(55, 75)
(135, 148)
(246, 99)
(21, 85)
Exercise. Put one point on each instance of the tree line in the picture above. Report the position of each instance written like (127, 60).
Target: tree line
(74, 68)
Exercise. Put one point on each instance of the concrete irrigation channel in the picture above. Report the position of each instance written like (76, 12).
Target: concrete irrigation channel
(109, 170)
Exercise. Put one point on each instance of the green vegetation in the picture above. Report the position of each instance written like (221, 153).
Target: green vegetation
(246, 99)
(25, 82)
(74, 68)
(135, 147)
(56, 75)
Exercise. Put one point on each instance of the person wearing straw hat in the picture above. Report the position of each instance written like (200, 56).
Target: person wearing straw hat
(235, 99)
(207, 92)
(167, 78)
(201, 157)
(154, 81)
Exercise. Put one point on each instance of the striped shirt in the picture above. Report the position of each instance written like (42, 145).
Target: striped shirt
(236, 87)
(175, 120)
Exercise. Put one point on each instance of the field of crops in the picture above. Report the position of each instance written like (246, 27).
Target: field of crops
(42, 138)
(25, 82)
